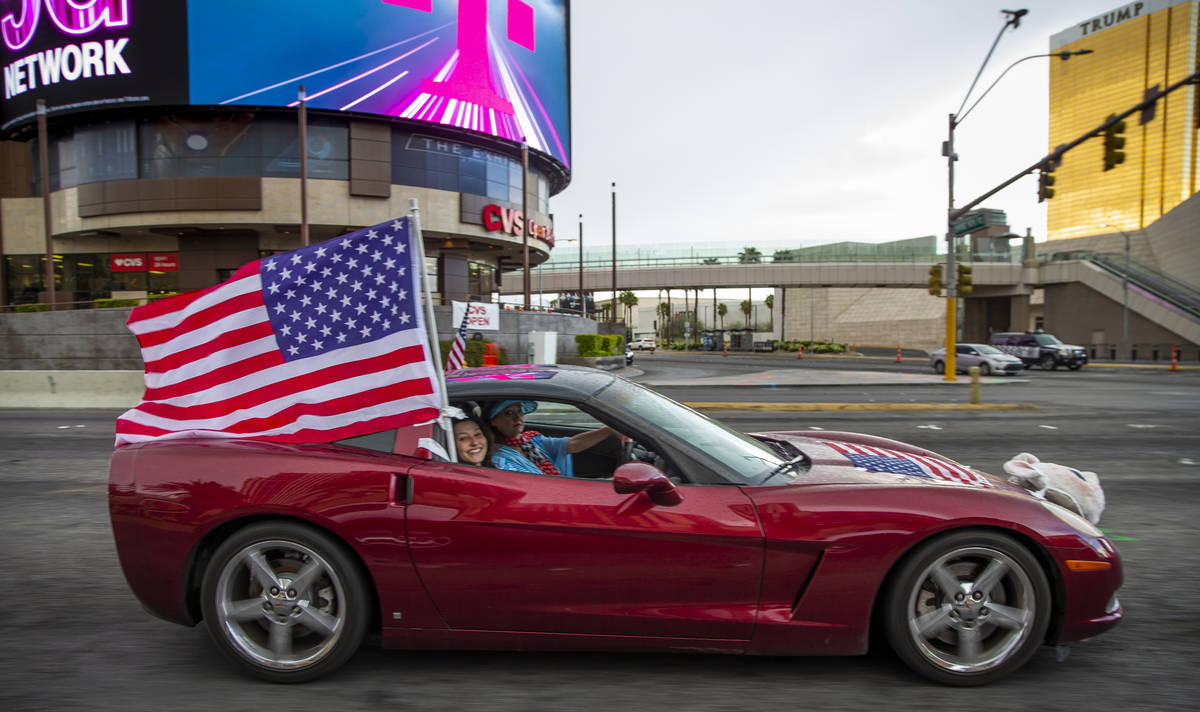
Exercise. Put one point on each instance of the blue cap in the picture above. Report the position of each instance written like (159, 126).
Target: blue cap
(526, 407)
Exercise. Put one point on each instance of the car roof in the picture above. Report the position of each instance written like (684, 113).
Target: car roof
(549, 382)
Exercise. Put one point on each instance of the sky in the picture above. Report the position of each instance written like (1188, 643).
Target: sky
(771, 122)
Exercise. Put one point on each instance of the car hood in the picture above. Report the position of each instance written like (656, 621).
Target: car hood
(857, 458)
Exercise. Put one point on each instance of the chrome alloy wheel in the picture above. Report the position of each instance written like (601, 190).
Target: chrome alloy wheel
(971, 608)
(280, 604)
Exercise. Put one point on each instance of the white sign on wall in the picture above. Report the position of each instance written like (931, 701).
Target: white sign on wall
(480, 316)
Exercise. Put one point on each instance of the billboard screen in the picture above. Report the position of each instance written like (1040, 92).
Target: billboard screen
(81, 55)
(497, 67)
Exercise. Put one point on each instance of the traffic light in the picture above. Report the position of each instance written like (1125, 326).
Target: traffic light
(964, 279)
(1113, 143)
(1045, 181)
(935, 280)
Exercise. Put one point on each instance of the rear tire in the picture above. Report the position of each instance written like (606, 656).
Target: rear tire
(967, 608)
(285, 602)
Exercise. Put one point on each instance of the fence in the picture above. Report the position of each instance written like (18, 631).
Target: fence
(1142, 352)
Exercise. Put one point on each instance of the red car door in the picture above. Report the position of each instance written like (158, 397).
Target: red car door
(507, 551)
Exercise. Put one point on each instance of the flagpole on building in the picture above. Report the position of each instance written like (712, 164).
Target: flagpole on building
(431, 329)
(303, 169)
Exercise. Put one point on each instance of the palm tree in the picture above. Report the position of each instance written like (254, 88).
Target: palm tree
(630, 300)
(711, 261)
(747, 307)
(770, 302)
(664, 311)
(785, 256)
(722, 310)
(750, 256)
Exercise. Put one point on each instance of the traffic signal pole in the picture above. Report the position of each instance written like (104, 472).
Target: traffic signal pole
(1055, 156)
(948, 277)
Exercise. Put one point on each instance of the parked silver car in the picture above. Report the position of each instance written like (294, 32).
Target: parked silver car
(989, 359)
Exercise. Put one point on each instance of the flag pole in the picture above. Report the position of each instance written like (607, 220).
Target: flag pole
(431, 329)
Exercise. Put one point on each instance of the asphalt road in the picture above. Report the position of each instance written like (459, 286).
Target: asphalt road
(76, 638)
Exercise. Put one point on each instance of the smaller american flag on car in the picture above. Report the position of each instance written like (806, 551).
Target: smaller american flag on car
(458, 350)
(881, 459)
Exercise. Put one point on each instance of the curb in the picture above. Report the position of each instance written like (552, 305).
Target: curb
(794, 407)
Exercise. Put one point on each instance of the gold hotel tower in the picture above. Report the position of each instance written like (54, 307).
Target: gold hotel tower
(1137, 46)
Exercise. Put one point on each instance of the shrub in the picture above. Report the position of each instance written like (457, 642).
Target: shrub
(114, 303)
(592, 345)
(474, 352)
(32, 307)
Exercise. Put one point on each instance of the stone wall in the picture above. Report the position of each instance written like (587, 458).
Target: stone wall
(911, 318)
(97, 339)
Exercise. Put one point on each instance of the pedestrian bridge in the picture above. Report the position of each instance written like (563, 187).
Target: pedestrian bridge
(680, 274)
(1151, 295)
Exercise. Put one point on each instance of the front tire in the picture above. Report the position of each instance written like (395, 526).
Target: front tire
(967, 608)
(985, 369)
(285, 602)
(1049, 363)
(939, 367)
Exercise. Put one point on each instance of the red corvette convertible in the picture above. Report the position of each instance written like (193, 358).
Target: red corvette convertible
(686, 536)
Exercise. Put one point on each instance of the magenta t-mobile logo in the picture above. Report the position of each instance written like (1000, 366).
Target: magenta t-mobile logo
(465, 92)
(74, 17)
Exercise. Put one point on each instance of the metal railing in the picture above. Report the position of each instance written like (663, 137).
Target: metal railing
(1156, 282)
(572, 265)
(1143, 352)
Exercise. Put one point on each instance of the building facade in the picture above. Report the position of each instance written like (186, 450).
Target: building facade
(172, 161)
(1136, 48)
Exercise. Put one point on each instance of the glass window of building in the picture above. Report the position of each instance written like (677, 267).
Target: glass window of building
(481, 281)
(200, 145)
(106, 151)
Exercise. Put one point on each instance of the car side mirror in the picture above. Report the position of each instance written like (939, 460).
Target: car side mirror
(644, 477)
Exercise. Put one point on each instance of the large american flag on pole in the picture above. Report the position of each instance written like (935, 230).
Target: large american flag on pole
(458, 350)
(882, 459)
(315, 345)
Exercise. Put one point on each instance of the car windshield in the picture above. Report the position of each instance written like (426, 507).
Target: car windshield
(743, 456)
(1046, 340)
(989, 350)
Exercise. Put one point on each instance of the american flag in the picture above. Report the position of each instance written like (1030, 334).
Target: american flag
(315, 345)
(458, 350)
(881, 459)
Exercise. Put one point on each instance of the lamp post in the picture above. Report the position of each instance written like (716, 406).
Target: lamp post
(613, 312)
(582, 298)
(1013, 20)
(1124, 296)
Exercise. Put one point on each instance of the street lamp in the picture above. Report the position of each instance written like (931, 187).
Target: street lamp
(1125, 296)
(1013, 20)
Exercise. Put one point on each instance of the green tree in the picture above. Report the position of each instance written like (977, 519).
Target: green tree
(770, 302)
(750, 256)
(629, 300)
(711, 261)
(722, 310)
(747, 307)
(786, 256)
(664, 312)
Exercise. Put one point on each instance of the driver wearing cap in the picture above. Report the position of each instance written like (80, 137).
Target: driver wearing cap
(521, 450)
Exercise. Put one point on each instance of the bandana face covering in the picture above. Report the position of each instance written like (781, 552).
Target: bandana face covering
(523, 443)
